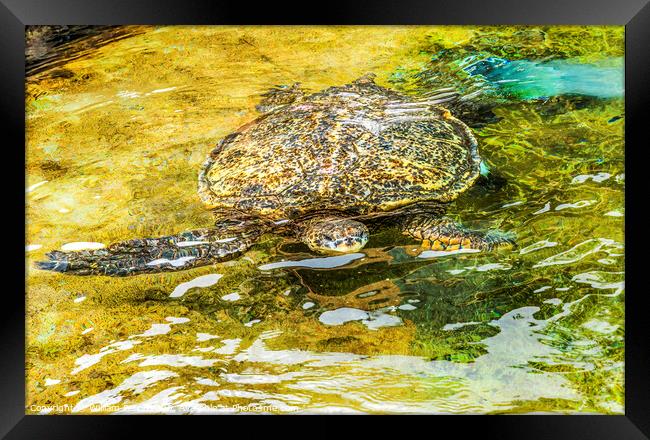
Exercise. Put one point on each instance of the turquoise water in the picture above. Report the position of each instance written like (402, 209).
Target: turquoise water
(535, 79)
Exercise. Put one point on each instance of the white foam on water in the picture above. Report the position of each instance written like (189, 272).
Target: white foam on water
(169, 402)
(244, 394)
(229, 346)
(546, 208)
(161, 329)
(167, 89)
(200, 337)
(372, 320)
(342, 315)
(171, 360)
(308, 305)
(49, 382)
(154, 330)
(492, 266)
(258, 352)
(119, 346)
(270, 334)
(380, 320)
(576, 205)
(316, 263)
(456, 271)
(582, 250)
(435, 254)
(553, 301)
(254, 379)
(175, 320)
(135, 384)
(458, 325)
(231, 297)
(88, 360)
(36, 185)
(407, 307)
(207, 382)
(162, 403)
(127, 94)
(612, 406)
(82, 245)
(508, 205)
(598, 280)
(600, 177)
(252, 322)
(541, 289)
(537, 246)
(200, 282)
(599, 326)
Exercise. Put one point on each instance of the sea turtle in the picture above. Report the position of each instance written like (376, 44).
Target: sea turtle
(323, 168)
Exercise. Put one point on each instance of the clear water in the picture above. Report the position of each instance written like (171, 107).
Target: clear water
(115, 139)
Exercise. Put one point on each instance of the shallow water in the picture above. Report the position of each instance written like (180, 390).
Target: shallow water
(115, 138)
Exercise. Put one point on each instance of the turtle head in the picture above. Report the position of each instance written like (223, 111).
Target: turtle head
(335, 235)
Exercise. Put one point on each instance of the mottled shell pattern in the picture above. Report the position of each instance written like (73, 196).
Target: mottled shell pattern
(357, 148)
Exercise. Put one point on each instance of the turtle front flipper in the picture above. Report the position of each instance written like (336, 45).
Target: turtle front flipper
(443, 234)
(151, 255)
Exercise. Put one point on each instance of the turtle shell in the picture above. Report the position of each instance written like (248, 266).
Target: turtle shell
(359, 148)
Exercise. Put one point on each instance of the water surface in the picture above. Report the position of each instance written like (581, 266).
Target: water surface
(115, 138)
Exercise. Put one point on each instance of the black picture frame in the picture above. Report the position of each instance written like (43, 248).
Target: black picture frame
(634, 14)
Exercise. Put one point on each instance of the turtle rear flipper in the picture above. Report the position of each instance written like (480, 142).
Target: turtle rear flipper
(279, 96)
(152, 255)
